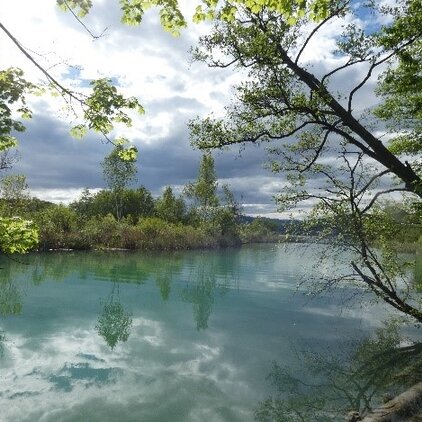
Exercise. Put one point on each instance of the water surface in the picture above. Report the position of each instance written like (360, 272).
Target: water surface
(188, 336)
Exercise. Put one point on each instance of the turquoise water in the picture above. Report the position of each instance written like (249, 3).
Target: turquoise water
(186, 336)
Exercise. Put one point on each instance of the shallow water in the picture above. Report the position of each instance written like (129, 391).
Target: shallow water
(188, 336)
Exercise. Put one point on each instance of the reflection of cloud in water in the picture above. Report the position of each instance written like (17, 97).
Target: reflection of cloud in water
(148, 331)
(66, 378)
(368, 317)
(74, 376)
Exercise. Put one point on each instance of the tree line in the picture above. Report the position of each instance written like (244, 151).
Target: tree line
(202, 216)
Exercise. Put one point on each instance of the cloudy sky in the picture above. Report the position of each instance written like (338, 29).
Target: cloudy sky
(151, 65)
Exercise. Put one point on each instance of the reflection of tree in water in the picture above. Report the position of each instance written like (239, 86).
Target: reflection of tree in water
(163, 282)
(166, 268)
(10, 299)
(2, 340)
(114, 323)
(337, 384)
(201, 291)
(201, 296)
(209, 277)
(10, 304)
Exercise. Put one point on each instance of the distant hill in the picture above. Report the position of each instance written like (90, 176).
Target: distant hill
(277, 224)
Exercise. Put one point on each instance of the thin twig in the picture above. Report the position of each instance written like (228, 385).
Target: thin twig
(95, 37)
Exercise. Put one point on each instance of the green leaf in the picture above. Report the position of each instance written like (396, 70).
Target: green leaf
(129, 154)
(17, 235)
(78, 131)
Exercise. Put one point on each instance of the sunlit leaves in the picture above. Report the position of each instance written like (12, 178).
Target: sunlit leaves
(78, 131)
(17, 235)
(105, 106)
(292, 11)
(13, 91)
(80, 7)
(102, 109)
(133, 11)
(129, 154)
(171, 18)
(401, 84)
(7, 142)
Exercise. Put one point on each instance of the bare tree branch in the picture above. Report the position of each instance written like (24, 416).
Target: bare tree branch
(95, 37)
(317, 28)
(50, 78)
(378, 194)
(373, 66)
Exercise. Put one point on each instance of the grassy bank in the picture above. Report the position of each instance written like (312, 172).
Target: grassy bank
(150, 233)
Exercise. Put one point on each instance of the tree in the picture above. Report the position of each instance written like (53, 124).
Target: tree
(8, 158)
(16, 234)
(309, 124)
(135, 203)
(13, 89)
(118, 173)
(228, 212)
(170, 208)
(282, 98)
(203, 192)
(401, 84)
(83, 205)
(14, 193)
(173, 20)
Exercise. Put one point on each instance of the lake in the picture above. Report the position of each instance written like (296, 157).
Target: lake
(186, 336)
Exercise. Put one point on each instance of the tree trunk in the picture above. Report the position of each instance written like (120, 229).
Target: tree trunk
(378, 151)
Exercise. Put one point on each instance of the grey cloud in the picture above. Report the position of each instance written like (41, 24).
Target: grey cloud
(175, 102)
(52, 159)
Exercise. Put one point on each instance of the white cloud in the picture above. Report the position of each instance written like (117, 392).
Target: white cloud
(147, 63)
(63, 196)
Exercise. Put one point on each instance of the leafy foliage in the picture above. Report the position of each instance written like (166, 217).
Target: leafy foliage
(118, 173)
(17, 235)
(203, 192)
(105, 106)
(170, 208)
(13, 91)
(402, 86)
(173, 20)
(14, 194)
(330, 160)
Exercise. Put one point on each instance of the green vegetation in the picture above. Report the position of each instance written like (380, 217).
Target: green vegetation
(121, 217)
(319, 140)
(118, 174)
(308, 123)
(260, 230)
